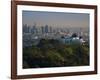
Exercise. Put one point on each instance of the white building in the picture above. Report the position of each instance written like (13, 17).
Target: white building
(72, 40)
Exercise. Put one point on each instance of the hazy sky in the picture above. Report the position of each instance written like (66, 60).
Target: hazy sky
(55, 19)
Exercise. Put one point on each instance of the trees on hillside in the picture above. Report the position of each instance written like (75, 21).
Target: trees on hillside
(52, 53)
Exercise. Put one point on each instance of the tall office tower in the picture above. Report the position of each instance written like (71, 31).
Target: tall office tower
(46, 29)
(25, 28)
(29, 27)
(51, 29)
(34, 29)
(42, 29)
(39, 30)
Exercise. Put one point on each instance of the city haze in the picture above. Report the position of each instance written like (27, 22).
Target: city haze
(56, 19)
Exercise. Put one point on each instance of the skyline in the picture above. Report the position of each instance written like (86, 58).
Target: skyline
(55, 19)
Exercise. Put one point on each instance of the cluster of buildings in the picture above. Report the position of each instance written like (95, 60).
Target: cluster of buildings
(36, 30)
(32, 35)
